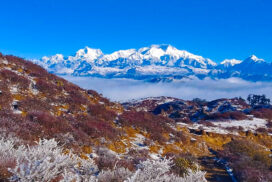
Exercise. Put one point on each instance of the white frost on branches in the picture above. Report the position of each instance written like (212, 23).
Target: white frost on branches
(44, 162)
(47, 161)
(159, 171)
(118, 174)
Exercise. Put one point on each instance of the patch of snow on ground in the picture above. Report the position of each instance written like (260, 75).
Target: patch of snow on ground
(5, 61)
(221, 127)
(252, 125)
(154, 156)
(32, 86)
(138, 142)
(14, 89)
(17, 112)
(166, 101)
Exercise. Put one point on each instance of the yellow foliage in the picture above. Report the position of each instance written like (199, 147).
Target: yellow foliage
(66, 106)
(131, 132)
(83, 108)
(179, 128)
(183, 164)
(83, 156)
(66, 151)
(17, 97)
(60, 108)
(166, 135)
(87, 149)
(59, 83)
(24, 113)
(145, 134)
(262, 139)
(92, 99)
(118, 147)
(178, 144)
(154, 148)
(126, 140)
(216, 141)
(58, 113)
(116, 107)
(20, 70)
(27, 71)
(171, 148)
(96, 141)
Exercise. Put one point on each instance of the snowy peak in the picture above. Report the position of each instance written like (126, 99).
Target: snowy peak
(165, 49)
(254, 59)
(89, 54)
(230, 62)
(58, 58)
(162, 55)
(169, 55)
(156, 63)
(156, 51)
(119, 54)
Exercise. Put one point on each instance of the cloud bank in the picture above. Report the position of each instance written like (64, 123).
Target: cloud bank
(127, 89)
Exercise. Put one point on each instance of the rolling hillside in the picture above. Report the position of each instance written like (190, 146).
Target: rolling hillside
(94, 139)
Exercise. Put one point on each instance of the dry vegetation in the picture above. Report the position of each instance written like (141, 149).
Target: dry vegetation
(35, 104)
(251, 162)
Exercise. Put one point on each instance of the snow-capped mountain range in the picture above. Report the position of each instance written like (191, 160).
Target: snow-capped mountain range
(154, 63)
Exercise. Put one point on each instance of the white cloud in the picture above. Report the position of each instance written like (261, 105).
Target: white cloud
(126, 89)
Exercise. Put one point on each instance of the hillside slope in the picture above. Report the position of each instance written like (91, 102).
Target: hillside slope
(35, 105)
(112, 142)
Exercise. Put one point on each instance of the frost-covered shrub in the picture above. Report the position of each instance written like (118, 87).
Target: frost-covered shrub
(151, 171)
(7, 160)
(47, 161)
(119, 174)
(44, 162)
(159, 171)
(183, 164)
(106, 160)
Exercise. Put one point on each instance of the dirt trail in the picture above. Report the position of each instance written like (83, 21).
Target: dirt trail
(215, 171)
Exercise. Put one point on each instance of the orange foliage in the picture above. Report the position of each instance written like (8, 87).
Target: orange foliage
(87, 149)
(118, 147)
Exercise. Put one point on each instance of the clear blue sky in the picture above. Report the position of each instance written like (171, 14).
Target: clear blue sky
(217, 29)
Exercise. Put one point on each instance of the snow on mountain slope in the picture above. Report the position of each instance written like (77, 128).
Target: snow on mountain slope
(118, 54)
(88, 54)
(230, 62)
(252, 69)
(254, 59)
(159, 62)
(156, 59)
(255, 69)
